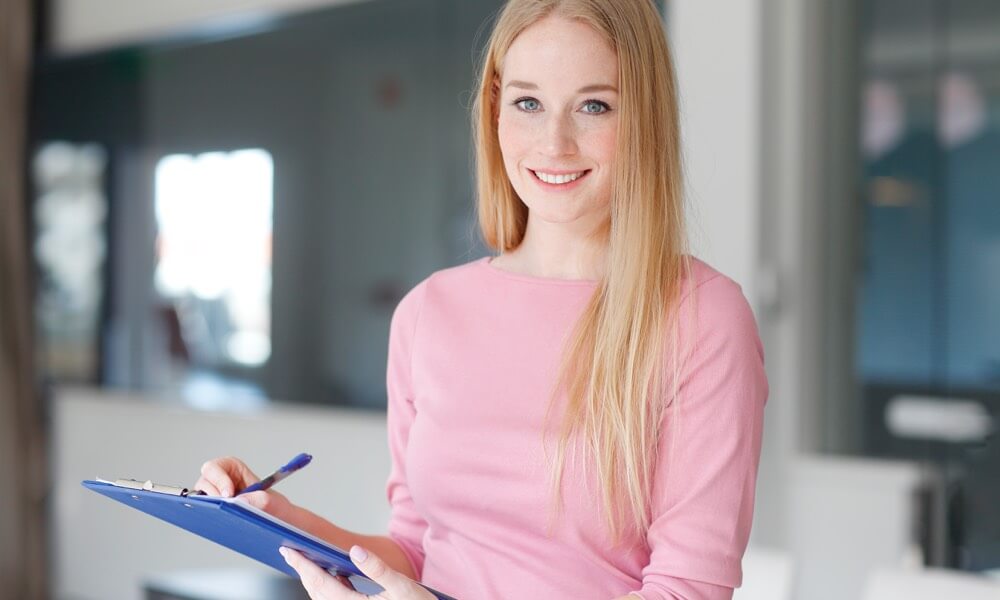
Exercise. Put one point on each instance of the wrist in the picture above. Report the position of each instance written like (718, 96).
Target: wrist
(282, 508)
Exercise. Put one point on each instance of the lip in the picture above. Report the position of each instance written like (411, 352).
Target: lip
(558, 187)
(557, 171)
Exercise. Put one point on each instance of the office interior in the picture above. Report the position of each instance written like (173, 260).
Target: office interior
(210, 211)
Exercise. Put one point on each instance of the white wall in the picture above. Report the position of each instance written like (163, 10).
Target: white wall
(717, 48)
(104, 550)
(87, 25)
(767, 103)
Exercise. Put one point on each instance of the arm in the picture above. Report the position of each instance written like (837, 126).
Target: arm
(703, 497)
(395, 562)
(223, 476)
(406, 523)
(382, 546)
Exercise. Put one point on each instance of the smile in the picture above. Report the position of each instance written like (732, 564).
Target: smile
(560, 178)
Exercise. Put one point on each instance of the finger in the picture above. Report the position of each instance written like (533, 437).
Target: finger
(207, 486)
(227, 474)
(320, 584)
(238, 470)
(393, 581)
(218, 478)
(232, 467)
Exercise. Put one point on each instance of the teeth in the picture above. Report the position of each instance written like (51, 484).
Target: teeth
(558, 179)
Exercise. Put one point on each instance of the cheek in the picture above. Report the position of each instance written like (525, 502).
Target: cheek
(604, 145)
(513, 139)
(511, 151)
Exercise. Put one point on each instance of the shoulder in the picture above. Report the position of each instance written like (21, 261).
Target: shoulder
(720, 353)
(713, 308)
(458, 276)
(443, 281)
(708, 289)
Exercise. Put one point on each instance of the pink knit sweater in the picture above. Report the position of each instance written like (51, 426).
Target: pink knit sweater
(473, 351)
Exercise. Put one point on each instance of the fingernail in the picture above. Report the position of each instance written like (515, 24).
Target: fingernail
(283, 552)
(358, 554)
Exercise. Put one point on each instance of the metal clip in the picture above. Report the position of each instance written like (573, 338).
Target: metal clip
(149, 486)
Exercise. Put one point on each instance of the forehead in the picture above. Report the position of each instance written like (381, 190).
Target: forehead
(556, 49)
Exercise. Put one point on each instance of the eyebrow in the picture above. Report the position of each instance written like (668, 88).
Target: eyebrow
(597, 87)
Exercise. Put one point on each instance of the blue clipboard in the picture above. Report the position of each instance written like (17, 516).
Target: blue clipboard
(237, 526)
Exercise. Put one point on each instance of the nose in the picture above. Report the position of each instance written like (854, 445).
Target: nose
(559, 136)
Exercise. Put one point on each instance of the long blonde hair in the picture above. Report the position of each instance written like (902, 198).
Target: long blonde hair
(613, 364)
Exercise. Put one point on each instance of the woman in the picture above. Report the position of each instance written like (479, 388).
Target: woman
(579, 416)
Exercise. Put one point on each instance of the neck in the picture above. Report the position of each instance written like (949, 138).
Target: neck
(553, 250)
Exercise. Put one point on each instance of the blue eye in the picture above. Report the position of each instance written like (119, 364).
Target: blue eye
(528, 104)
(595, 107)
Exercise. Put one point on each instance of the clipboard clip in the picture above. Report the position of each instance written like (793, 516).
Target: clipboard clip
(149, 486)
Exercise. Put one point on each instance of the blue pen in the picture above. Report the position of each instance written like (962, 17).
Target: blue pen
(293, 465)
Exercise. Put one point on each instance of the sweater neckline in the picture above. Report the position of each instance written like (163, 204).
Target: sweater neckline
(487, 263)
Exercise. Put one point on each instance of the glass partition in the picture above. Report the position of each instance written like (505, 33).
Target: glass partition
(928, 327)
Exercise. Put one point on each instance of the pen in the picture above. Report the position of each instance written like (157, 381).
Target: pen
(293, 465)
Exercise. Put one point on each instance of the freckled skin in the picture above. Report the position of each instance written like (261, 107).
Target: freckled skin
(557, 128)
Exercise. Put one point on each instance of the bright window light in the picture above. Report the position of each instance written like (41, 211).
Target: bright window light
(214, 221)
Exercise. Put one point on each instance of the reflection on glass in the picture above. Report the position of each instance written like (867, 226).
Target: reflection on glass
(971, 166)
(896, 323)
(928, 329)
(70, 211)
(213, 248)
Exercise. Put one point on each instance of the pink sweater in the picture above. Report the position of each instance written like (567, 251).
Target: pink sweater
(473, 351)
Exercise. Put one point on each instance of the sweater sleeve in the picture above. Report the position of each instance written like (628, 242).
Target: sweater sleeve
(703, 496)
(406, 525)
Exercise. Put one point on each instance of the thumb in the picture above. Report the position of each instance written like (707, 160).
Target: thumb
(375, 569)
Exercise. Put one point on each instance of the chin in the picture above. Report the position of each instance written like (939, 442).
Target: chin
(551, 211)
(554, 214)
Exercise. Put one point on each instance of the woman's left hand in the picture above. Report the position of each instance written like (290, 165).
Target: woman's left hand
(323, 586)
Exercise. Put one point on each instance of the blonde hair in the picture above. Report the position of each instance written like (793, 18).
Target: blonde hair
(613, 364)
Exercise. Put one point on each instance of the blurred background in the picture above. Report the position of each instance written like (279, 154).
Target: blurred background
(210, 210)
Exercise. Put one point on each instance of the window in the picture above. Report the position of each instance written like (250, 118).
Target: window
(213, 253)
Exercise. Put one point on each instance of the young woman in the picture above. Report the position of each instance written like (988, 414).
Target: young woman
(579, 416)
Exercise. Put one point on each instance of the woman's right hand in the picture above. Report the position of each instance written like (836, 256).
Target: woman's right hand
(227, 475)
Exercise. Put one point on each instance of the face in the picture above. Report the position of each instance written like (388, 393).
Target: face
(557, 121)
